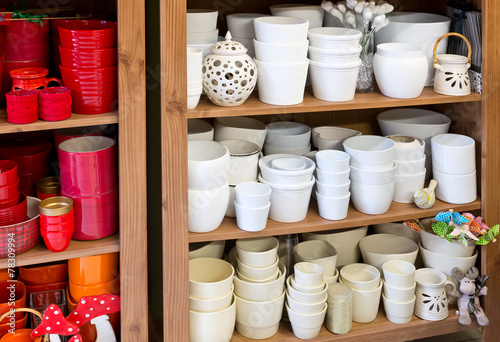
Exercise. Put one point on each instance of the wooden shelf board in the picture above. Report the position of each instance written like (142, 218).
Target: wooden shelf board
(313, 222)
(380, 329)
(76, 120)
(253, 106)
(40, 254)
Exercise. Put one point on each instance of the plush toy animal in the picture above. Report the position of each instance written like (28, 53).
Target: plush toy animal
(468, 301)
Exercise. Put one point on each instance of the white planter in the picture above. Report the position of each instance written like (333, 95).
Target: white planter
(281, 53)
(334, 82)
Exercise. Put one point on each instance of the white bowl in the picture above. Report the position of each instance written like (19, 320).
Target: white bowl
(436, 244)
(259, 292)
(205, 48)
(369, 176)
(259, 314)
(240, 128)
(306, 326)
(332, 161)
(208, 165)
(332, 191)
(334, 82)
(262, 281)
(201, 20)
(372, 199)
(456, 189)
(336, 178)
(307, 273)
(282, 84)
(398, 312)
(257, 273)
(333, 38)
(207, 249)
(199, 129)
(379, 248)
(307, 289)
(318, 252)
(360, 276)
(202, 37)
(288, 135)
(269, 150)
(308, 308)
(333, 208)
(406, 150)
(422, 29)
(406, 185)
(211, 305)
(252, 194)
(210, 278)
(312, 13)
(207, 208)
(241, 24)
(302, 296)
(299, 177)
(370, 151)
(400, 295)
(288, 164)
(212, 326)
(345, 242)
(446, 148)
(337, 57)
(331, 138)
(281, 53)
(399, 273)
(280, 30)
(445, 263)
(410, 167)
(244, 156)
(257, 252)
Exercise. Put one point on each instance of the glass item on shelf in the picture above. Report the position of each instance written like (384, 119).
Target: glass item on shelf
(339, 311)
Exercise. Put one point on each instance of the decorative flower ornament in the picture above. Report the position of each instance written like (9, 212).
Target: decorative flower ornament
(476, 223)
(490, 235)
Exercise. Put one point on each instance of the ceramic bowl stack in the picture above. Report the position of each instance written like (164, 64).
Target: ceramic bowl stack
(372, 172)
(334, 62)
(456, 182)
(332, 184)
(321, 253)
(291, 179)
(281, 56)
(399, 290)
(202, 30)
(241, 27)
(287, 137)
(331, 137)
(259, 287)
(194, 77)
(252, 205)
(212, 304)
(366, 285)
(410, 167)
(306, 300)
(208, 188)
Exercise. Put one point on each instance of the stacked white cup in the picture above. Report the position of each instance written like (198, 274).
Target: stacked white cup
(241, 27)
(334, 62)
(306, 299)
(281, 56)
(399, 290)
(410, 169)
(194, 77)
(454, 168)
(258, 314)
(287, 137)
(201, 29)
(252, 203)
(332, 184)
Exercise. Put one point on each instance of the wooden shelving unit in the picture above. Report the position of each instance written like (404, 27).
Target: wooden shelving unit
(477, 110)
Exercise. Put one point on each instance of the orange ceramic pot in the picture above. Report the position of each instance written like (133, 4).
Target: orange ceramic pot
(93, 270)
(19, 335)
(12, 290)
(44, 274)
(18, 325)
(78, 291)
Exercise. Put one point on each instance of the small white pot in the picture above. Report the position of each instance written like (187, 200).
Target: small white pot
(257, 252)
(333, 191)
(456, 189)
(312, 13)
(334, 82)
(241, 24)
(340, 56)
(212, 326)
(398, 312)
(336, 178)
(306, 326)
(331, 138)
(207, 208)
(251, 219)
(281, 53)
(261, 291)
(448, 147)
(334, 38)
(280, 30)
(372, 199)
(333, 208)
(332, 160)
(252, 194)
(406, 185)
(360, 276)
(288, 135)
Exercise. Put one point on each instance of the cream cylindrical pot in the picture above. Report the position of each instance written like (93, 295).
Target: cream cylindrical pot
(400, 70)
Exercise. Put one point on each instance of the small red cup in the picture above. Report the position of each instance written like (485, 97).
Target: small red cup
(11, 202)
(9, 192)
(22, 106)
(56, 214)
(9, 172)
(57, 241)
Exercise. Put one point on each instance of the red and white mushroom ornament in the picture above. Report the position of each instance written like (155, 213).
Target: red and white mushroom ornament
(76, 338)
(96, 309)
(54, 324)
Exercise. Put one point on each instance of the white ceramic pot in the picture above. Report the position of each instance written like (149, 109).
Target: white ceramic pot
(370, 176)
(257, 273)
(205, 37)
(399, 273)
(456, 189)
(260, 292)
(406, 185)
(365, 304)
(259, 314)
(360, 276)
(433, 284)
(370, 151)
(208, 165)
(212, 326)
(240, 128)
(379, 248)
(421, 29)
(333, 208)
(281, 53)
(210, 249)
(333, 191)
(372, 199)
(398, 312)
(287, 134)
(334, 38)
(319, 252)
(244, 156)
(252, 194)
(257, 252)
(211, 305)
(280, 30)
(332, 279)
(404, 168)
(201, 20)
(408, 148)
(306, 326)
(332, 178)
(312, 13)
(307, 289)
(345, 242)
(193, 100)
(306, 308)
(199, 129)
(445, 263)
(262, 281)
(334, 82)
(446, 148)
(308, 273)
(332, 161)
(205, 48)
(400, 70)
(194, 54)
(207, 208)
(399, 295)
(336, 57)
(288, 164)
(283, 177)
(241, 24)
(331, 138)
(252, 219)
(210, 278)
(304, 297)
(268, 150)
(439, 245)
(282, 84)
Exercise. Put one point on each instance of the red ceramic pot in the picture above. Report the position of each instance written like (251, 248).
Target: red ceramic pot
(58, 223)
(18, 289)
(11, 202)
(14, 214)
(61, 135)
(9, 172)
(26, 40)
(42, 274)
(88, 58)
(9, 192)
(88, 34)
(57, 241)
(28, 153)
(31, 78)
(96, 217)
(87, 166)
(12, 65)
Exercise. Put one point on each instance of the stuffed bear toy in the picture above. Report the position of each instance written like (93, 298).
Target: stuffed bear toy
(468, 301)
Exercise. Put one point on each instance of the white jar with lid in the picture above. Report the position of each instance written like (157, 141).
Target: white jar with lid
(400, 70)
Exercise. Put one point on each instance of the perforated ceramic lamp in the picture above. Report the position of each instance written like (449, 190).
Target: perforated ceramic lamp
(229, 74)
